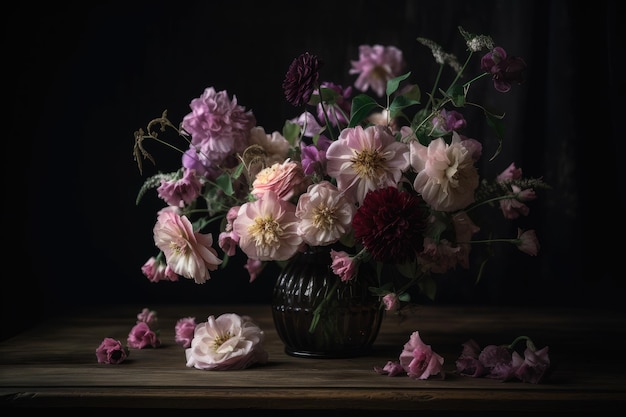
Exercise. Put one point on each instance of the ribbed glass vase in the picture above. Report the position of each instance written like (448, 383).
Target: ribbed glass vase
(317, 315)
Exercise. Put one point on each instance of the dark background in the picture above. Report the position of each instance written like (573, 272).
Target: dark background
(81, 79)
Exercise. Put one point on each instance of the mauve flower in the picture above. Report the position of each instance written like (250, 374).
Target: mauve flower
(505, 70)
(182, 191)
(512, 207)
(301, 79)
(366, 159)
(228, 242)
(510, 173)
(390, 224)
(111, 352)
(377, 64)
(141, 336)
(419, 360)
(156, 270)
(534, 367)
(149, 317)
(464, 229)
(447, 121)
(528, 242)
(391, 302)
(188, 253)
(286, 179)
(254, 268)
(309, 125)
(468, 364)
(325, 214)
(338, 111)
(439, 257)
(313, 157)
(391, 368)
(446, 175)
(268, 228)
(183, 331)
(274, 145)
(342, 265)
(498, 362)
(228, 342)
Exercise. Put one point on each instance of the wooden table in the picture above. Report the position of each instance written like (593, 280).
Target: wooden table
(54, 365)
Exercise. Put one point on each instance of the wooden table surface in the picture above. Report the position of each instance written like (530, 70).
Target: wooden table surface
(54, 365)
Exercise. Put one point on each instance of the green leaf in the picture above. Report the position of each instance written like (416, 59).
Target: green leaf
(362, 106)
(456, 93)
(328, 95)
(225, 184)
(291, 131)
(394, 83)
(399, 103)
(496, 123)
(414, 93)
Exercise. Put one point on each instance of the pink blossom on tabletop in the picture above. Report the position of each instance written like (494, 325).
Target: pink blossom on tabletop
(504, 362)
(111, 352)
(149, 317)
(226, 342)
(141, 337)
(184, 331)
(417, 360)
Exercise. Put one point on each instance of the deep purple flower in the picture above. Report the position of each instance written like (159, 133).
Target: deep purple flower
(301, 79)
(505, 70)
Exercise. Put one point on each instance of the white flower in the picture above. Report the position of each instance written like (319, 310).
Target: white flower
(228, 342)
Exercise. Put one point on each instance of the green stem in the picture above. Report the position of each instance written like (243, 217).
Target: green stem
(318, 310)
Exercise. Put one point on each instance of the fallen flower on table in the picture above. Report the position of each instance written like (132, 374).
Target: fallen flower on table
(228, 342)
(142, 334)
(184, 331)
(417, 360)
(111, 351)
(503, 362)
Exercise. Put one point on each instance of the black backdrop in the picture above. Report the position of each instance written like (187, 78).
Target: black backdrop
(81, 79)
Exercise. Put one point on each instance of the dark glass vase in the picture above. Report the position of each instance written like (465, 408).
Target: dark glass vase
(318, 316)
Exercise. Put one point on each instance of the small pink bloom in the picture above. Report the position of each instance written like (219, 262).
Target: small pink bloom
(534, 367)
(391, 368)
(141, 336)
(377, 64)
(149, 317)
(529, 243)
(228, 242)
(391, 302)
(419, 360)
(447, 121)
(182, 191)
(111, 352)
(510, 173)
(254, 267)
(342, 265)
(184, 330)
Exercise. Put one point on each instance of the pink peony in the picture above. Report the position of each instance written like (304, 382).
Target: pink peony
(228, 342)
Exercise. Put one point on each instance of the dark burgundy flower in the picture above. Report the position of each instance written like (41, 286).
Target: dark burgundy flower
(301, 79)
(505, 70)
(390, 225)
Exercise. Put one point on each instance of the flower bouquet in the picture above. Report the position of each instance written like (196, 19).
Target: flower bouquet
(377, 172)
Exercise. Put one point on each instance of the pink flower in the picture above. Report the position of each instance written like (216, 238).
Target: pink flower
(510, 173)
(534, 367)
(342, 265)
(141, 336)
(391, 368)
(464, 229)
(155, 270)
(419, 360)
(391, 302)
(184, 330)
(367, 159)
(111, 352)
(447, 121)
(219, 128)
(254, 267)
(182, 191)
(188, 253)
(439, 257)
(228, 342)
(325, 214)
(268, 228)
(286, 179)
(446, 175)
(149, 317)
(528, 242)
(376, 65)
(337, 110)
